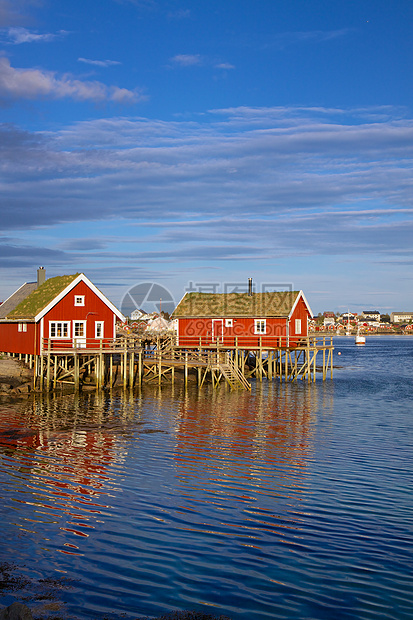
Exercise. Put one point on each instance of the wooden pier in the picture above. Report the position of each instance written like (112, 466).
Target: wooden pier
(130, 361)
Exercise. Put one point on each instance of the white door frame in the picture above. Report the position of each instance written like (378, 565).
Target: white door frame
(79, 341)
(214, 337)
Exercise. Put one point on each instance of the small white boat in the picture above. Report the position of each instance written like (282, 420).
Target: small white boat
(360, 339)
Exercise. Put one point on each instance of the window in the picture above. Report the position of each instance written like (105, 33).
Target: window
(79, 300)
(22, 327)
(59, 329)
(298, 326)
(260, 326)
(98, 329)
(228, 322)
(79, 329)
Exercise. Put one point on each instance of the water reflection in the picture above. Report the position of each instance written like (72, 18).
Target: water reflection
(243, 458)
(62, 461)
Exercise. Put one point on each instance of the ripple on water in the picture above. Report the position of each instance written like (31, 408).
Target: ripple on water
(293, 501)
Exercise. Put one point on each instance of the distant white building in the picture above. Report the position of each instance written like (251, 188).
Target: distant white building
(370, 315)
(329, 318)
(136, 314)
(401, 317)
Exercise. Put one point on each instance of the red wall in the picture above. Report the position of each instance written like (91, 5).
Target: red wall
(13, 341)
(192, 330)
(195, 331)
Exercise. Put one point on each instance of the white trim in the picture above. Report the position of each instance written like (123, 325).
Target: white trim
(259, 332)
(80, 278)
(214, 338)
(41, 334)
(79, 341)
(102, 326)
(67, 337)
(299, 296)
(81, 299)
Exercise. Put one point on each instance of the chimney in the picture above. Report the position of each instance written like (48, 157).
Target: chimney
(249, 287)
(41, 276)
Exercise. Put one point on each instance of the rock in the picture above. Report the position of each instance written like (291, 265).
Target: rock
(5, 387)
(23, 389)
(16, 611)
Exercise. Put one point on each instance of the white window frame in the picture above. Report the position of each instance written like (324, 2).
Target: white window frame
(297, 326)
(53, 327)
(229, 322)
(101, 325)
(260, 326)
(79, 300)
(83, 324)
(22, 327)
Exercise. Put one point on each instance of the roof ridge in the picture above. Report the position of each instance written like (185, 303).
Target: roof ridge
(41, 297)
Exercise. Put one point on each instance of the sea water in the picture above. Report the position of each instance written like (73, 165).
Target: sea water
(292, 501)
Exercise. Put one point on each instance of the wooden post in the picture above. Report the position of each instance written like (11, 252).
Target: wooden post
(314, 359)
(76, 371)
(48, 366)
(125, 365)
(324, 359)
(331, 356)
(140, 366)
(131, 369)
(186, 369)
(35, 372)
(55, 372)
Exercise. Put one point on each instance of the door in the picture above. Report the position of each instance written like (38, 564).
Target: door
(217, 330)
(79, 334)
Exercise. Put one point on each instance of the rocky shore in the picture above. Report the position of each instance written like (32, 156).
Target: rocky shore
(15, 377)
(18, 611)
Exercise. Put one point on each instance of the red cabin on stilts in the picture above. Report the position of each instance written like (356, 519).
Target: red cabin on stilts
(246, 320)
(61, 312)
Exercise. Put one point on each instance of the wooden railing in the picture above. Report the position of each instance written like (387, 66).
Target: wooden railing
(80, 344)
(254, 342)
(194, 349)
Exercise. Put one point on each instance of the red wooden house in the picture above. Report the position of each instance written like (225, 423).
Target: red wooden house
(247, 320)
(65, 311)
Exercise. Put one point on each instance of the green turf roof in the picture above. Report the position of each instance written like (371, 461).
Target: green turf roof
(41, 297)
(236, 304)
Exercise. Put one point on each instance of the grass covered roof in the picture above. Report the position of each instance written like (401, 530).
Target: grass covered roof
(41, 297)
(236, 304)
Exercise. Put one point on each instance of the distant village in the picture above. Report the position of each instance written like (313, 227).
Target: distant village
(141, 322)
(368, 321)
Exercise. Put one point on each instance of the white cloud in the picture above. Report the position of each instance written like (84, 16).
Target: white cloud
(264, 185)
(187, 60)
(22, 35)
(99, 63)
(286, 39)
(36, 83)
(224, 65)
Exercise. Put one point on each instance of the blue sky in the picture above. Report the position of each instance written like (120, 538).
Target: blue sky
(196, 144)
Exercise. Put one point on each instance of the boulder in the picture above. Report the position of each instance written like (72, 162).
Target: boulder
(16, 611)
